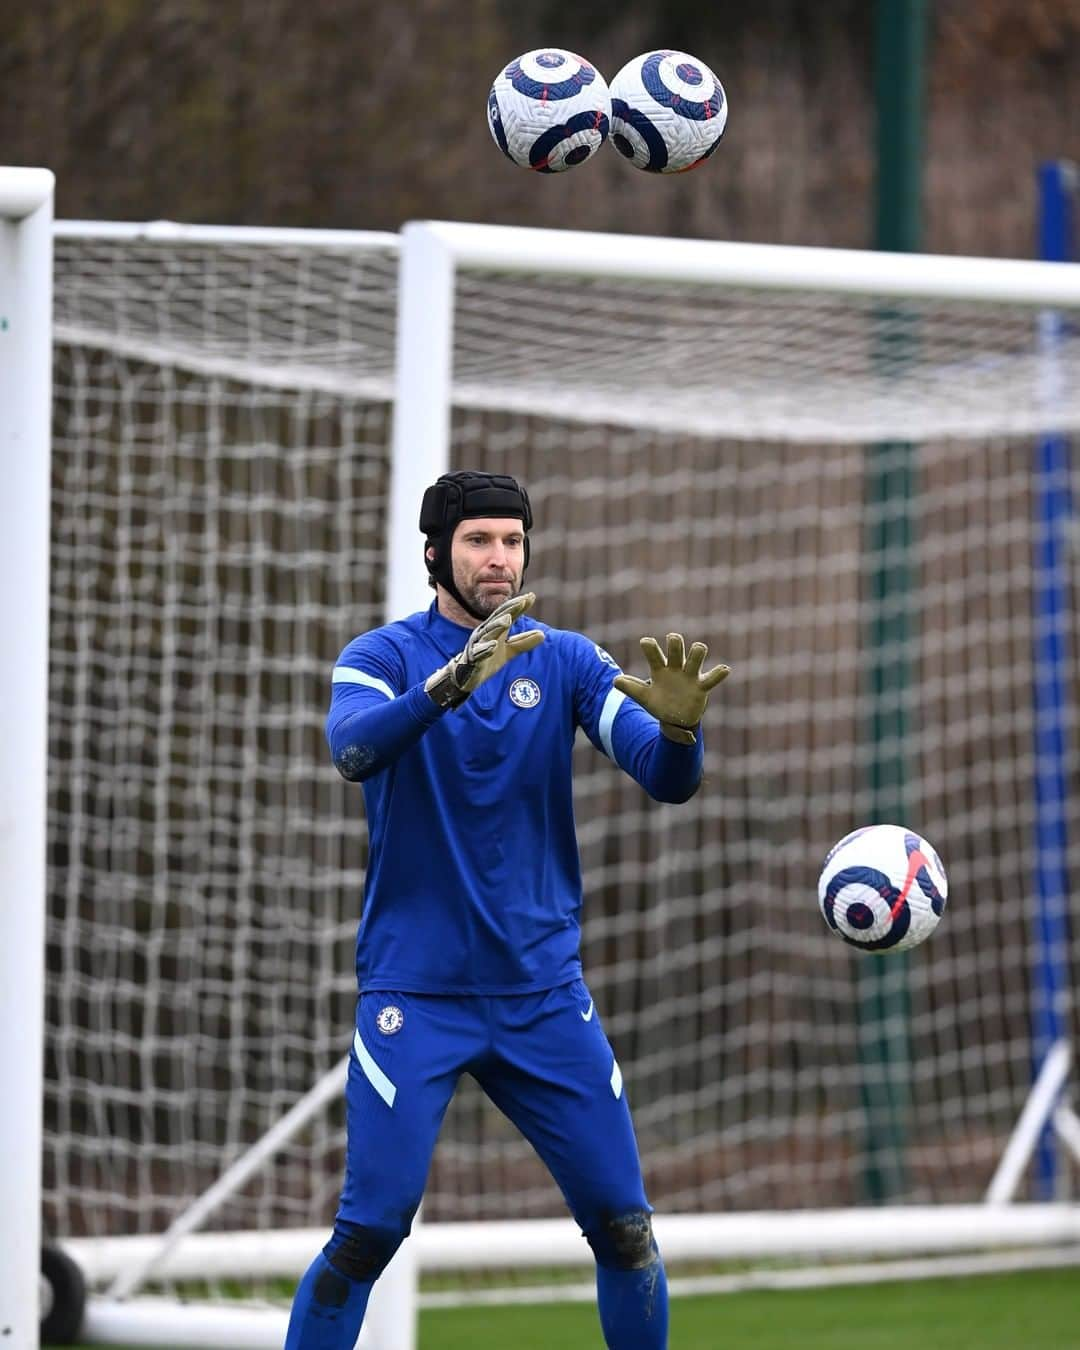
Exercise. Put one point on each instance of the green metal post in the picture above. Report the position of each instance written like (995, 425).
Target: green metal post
(884, 1003)
(900, 60)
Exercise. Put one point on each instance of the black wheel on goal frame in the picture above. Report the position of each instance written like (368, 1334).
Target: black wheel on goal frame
(63, 1297)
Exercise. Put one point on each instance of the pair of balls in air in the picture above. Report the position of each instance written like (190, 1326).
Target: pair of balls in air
(550, 109)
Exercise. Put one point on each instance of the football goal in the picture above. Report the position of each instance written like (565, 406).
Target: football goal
(829, 465)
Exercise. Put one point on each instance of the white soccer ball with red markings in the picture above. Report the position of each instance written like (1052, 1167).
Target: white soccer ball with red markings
(883, 888)
(549, 110)
(668, 111)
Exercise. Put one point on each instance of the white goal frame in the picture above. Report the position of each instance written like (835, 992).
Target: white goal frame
(431, 254)
(26, 211)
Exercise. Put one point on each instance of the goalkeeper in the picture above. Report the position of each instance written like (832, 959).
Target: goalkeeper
(459, 721)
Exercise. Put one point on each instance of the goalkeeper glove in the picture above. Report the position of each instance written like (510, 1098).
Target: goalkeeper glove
(676, 692)
(488, 649)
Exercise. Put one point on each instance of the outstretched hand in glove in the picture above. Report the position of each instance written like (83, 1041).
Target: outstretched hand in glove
(676, 691)
(488, 649)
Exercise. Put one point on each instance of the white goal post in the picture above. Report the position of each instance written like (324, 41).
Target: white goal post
(233, 500)
(26, 202)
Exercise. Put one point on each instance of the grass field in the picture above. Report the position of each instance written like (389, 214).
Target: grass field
(1037, 1310)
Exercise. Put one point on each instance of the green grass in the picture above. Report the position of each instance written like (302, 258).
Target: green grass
(1036, 1310)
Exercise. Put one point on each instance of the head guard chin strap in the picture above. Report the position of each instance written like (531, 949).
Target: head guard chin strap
(467, 495)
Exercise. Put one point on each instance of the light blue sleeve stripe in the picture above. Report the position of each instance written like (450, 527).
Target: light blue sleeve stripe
(349, 675)
(612, 704)
(375, 1076)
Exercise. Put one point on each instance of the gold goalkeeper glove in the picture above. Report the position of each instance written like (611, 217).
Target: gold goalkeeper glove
(676, 692)
(488, 649)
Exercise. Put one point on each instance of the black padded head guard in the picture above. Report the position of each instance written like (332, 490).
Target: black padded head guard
(467, 495)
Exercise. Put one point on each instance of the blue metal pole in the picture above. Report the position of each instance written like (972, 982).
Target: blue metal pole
(1050, 606)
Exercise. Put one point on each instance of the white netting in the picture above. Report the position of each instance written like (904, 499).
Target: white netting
(760, 365)
(698, 462)
(314, 319)
(740, 1021)
(216, 540)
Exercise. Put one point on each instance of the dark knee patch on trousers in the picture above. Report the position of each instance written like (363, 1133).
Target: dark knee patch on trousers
(360, 1253)
(625, 1242)
(331, 1289)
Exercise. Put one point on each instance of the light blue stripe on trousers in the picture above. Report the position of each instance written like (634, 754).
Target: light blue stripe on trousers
(375, 1076)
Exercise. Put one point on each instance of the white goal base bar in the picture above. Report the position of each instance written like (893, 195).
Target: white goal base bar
(153, 1322)
(157, 1322)
(558, 1243)
(1021, 1232)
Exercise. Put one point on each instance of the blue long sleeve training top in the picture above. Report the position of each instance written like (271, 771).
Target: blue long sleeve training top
(473, 881)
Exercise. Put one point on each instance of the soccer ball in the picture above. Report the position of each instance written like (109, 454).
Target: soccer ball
(549, 110)
(668, 112)
(882, 888)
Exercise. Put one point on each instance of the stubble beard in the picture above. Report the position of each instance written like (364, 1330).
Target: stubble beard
(484, 599)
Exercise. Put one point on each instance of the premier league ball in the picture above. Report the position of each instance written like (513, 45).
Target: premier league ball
(668, 112)
(549, 110)
(882, 888)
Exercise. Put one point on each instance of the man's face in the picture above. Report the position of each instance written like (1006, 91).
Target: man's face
(488, 560)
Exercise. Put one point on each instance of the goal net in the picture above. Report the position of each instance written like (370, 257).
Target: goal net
(826, 467)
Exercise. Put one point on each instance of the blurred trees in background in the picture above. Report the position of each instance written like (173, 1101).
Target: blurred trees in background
(367, 113)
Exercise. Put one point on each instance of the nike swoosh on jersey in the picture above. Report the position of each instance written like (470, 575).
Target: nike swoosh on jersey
(586, 1016)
